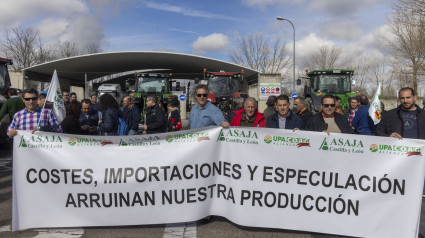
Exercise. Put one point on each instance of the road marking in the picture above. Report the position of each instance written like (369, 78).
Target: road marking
(5, 228)
(184, 230)
(59, 233)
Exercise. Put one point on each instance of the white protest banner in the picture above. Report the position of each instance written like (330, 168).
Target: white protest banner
(54, 95)
(339, 184)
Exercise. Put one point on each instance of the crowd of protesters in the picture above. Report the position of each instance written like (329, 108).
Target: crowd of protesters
(90, 117)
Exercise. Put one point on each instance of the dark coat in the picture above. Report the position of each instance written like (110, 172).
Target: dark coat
(91, 120)
(71, 126)
(292, 121)
(391, 122)
(305, 115)
(155, 120)
(109, 124)
(173, 120)
(131, 116)
(317, 123)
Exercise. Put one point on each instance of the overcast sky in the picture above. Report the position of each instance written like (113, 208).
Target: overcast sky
(202, 27)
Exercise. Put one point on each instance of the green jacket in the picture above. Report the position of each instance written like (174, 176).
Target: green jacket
(11, 106)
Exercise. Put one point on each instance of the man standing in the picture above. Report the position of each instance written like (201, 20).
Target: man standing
(88, 118)
(284, 118)
(65, 96)
(328, 120)
(32, 115)
(362, 121)
(350, 112)
(12, 105)
(204, 113)
(131, 115)
(73, 97)
(155, 117)
(271, 107)
(239, 104)
(405, 121)
(94, 103)
(302, 110)
(249, 116)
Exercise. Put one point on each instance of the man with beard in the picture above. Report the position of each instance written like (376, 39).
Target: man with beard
(405, 121)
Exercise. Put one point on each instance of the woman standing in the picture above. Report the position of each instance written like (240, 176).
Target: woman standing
(109, 108)
(174, 121)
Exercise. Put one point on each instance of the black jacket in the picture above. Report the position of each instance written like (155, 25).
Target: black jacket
(305, 115)
(174, 116)
(391, 122)
(317, 123)
(109, 124)
(131, 117)
(155, 120)
(292, 121)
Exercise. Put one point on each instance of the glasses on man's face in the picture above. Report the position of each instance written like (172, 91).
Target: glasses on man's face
(328, 105)
(66, 95)
(30, 99)
(202, 95)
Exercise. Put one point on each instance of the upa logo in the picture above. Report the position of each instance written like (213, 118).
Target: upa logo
(342, 145)
(188, 137)
(238, 136)
(373, 147)
(169, 138)
(41, 141)
(88, 142)
(287, 141)
(268, 139)
(72, 141)
(396, 149)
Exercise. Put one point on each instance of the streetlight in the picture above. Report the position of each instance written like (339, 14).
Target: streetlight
(293, 58)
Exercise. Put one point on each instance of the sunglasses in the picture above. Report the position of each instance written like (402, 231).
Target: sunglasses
(328, 105)
(30, 99)
(202, 95)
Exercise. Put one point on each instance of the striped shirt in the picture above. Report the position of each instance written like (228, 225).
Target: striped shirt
(26, 120)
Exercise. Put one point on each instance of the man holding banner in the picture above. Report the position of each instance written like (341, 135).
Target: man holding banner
(406, 121)
(32, 116)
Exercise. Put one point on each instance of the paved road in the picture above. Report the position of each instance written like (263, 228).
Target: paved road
(217, 227)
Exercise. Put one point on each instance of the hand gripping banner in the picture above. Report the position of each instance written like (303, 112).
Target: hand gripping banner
(339, 184)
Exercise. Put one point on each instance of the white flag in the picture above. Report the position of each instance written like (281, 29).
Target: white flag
(375, 106)
(54, 95)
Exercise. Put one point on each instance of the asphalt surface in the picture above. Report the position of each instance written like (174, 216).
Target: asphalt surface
(216, 227)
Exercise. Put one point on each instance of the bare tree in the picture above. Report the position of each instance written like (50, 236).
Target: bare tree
(325, 58)
(93, 48)
(261, 53)
(19, 44)
(407, 25)
(67, 49)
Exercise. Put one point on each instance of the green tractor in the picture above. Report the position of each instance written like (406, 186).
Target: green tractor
(146, 84)
(320, 82)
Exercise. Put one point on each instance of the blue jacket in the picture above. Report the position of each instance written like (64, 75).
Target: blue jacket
(109, 124)
(131, 116)
(292, 121)
(91, 120)
(362, 122)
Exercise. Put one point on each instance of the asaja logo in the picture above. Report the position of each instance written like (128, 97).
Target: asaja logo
(238, 136)
(187, 137)
(373, 147)
(46, 142)
(140, 141)
(268, 139)
(287, 141)
(396, 149)
(72, 141)
(342, 145)
(169, 138)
